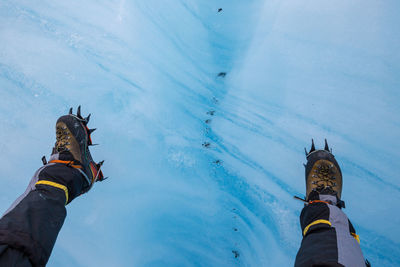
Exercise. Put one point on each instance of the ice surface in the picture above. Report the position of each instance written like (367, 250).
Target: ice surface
(203, 167)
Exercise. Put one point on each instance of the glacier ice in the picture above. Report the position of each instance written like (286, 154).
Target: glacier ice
(202, 166)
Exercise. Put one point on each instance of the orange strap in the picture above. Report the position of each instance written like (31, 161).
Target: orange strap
(318, 201)
(69, 162)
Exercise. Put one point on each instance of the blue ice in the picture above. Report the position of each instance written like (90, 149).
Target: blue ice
(203, 166)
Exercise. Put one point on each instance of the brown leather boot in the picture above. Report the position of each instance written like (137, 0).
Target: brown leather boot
(72, 147)
(323, 174)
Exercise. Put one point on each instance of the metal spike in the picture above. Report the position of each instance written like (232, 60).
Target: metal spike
(88, 117)
(312, 146)
(92, 130)
(78, 113)
(100, 164)
(326, 145)
(70, 111)
(304, 165)
(305, 150)
(93, 144)
(299, 198)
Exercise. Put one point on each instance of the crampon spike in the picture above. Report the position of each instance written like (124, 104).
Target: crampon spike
(78, 113)
(93, 144)
(88, 118)
(70, 111)
(326, 145)
(299, 198)
(99, 175)
(92, 130)
(312, 146)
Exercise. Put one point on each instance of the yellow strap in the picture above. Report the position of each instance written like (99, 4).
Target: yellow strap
(60, 186)
(314, 223)
(357, 237)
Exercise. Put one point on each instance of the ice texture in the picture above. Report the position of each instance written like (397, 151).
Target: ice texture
(203, 109)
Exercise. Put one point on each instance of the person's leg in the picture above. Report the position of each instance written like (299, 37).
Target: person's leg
(329, 239)
(328, 236)
(29, 228)
(13, 257)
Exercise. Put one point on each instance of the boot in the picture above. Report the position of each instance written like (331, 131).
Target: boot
(323, 174)
(72, 147)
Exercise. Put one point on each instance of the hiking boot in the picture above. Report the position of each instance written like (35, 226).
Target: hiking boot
(323, 174)
(72, 147)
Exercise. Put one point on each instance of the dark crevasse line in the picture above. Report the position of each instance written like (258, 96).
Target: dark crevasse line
(250, 207)
(237, 198)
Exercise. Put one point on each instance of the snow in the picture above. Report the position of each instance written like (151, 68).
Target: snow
(183, 191)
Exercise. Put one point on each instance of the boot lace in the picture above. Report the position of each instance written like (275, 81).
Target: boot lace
(62, 139)
(324, 176)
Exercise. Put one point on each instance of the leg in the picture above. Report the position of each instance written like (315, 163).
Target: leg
(329, 239)
(29, 228)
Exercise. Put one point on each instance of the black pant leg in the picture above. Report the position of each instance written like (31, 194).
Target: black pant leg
(13, 257)
(327, 237)
(29, 229)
